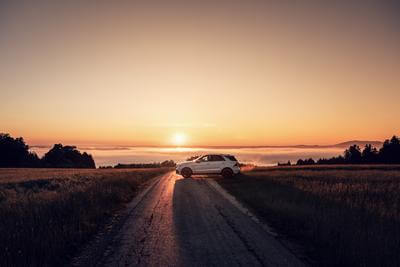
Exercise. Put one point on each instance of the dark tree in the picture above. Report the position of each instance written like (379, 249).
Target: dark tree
(369, 154)
(390, 151)
(353, 154)
(388, 154)
(14, 153)
(309, 161)
(168, 163)
(67, 157)
(333, 160)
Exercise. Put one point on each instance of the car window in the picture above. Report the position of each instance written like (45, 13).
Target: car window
(217, 158)
(204, 158)
(232, 158)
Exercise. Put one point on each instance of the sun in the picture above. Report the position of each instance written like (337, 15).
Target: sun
(179, 139)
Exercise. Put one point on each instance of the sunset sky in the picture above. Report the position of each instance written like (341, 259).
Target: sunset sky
(199, 72)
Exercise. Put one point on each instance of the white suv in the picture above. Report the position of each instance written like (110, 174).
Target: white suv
(227, 165)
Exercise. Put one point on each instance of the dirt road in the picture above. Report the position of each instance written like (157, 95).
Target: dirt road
(186, 222)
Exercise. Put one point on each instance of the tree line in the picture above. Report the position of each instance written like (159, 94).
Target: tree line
(389, 153)
(15, 153)
(164, 164)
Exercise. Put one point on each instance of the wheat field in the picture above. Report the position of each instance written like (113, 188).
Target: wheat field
(340, 215)
(46, 215)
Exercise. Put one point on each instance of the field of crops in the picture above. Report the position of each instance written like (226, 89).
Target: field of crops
(47, 214)
(341, 215)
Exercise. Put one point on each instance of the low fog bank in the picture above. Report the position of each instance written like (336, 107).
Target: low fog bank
(104, 156)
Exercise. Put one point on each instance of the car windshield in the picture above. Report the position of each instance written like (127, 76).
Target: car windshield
(193, 158)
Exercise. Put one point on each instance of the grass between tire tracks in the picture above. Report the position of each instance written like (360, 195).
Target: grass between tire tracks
(47, 215)
(341, 215)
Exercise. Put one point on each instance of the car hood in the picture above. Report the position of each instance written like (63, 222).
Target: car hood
(184, 163)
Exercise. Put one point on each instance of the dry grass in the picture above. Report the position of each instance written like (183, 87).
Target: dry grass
(343, 215)
(47, 214)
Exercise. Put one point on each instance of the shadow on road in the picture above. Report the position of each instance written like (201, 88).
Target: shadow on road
(194, 223)
(202, 232)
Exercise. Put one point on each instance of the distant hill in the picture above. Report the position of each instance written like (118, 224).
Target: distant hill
(361, 144)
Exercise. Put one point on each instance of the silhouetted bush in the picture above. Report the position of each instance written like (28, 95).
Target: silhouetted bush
(388, 154)
(309, 161)
(14, 153)
(67, 157)
(334, 160)
(167, 163)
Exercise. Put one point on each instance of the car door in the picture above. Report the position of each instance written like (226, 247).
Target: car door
(202, 165)
(216, 163)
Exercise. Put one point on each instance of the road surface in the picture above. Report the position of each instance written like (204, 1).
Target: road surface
(186, 222)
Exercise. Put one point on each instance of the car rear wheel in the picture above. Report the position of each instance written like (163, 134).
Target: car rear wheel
(186, 172)
(227, 173)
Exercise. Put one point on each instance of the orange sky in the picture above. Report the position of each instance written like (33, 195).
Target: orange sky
(232, 73)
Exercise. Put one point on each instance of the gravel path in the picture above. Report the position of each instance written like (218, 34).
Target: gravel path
(185, 222)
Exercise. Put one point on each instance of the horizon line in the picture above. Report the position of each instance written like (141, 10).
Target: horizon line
(216, 146)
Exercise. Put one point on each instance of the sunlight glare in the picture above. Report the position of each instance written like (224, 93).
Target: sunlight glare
(179, 139)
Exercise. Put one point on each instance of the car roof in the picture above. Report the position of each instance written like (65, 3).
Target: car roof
(216, 154)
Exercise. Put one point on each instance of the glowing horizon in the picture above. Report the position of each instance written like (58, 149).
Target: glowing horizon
(229, 74)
